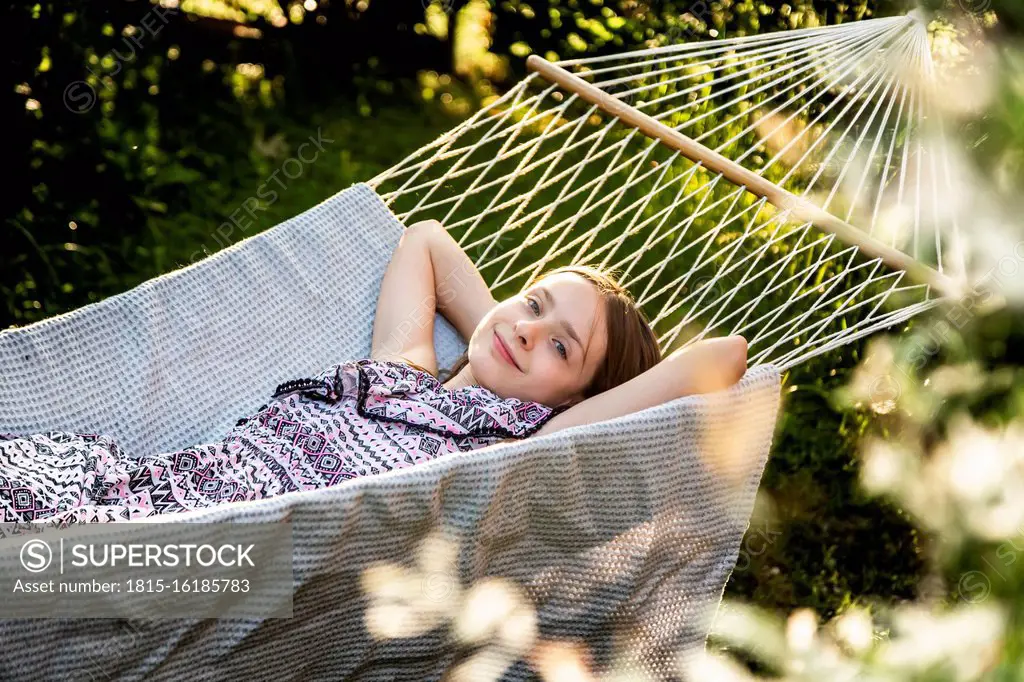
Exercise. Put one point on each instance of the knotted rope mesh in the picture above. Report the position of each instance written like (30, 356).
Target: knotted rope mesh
(842, 116)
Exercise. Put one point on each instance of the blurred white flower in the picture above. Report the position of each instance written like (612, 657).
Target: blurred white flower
(966, 70)
(801, 630)
(708, 666)
(749, 629)
(495, 608)
(497, 614)
(983, 471)
(875, 381)
(961, 641)
(950, 380)
(855, 630)
(494, 615)
(485, 665)
(893, 224)
(998, 253)
(885, 467)
(405, 602)
(960, 645)
(562, 662)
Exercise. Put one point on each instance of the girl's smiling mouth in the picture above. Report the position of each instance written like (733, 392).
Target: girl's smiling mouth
(504, 351)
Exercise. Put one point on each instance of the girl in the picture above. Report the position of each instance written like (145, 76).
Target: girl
(573, 340)
(571, 349)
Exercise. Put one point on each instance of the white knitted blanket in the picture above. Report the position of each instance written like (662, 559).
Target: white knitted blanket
(621, 533)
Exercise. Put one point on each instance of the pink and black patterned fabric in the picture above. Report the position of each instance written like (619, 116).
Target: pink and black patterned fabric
(354, 419)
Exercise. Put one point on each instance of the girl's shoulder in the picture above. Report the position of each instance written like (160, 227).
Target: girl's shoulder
(397, 390)
(416, 367)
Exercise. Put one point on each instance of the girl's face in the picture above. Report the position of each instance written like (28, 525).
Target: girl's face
(543, 345)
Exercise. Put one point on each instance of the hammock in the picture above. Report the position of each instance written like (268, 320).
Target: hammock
(623, 533)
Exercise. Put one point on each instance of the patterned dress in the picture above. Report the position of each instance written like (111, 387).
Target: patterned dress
(354, 419)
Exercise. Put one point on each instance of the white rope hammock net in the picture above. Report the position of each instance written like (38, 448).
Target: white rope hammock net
(840, 115)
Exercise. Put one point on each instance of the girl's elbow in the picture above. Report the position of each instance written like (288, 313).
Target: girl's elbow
(712, 365)
(416, 233)
(424, 227)
(737, 357)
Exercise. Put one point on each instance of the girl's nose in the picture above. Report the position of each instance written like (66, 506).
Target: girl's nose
(525, 333)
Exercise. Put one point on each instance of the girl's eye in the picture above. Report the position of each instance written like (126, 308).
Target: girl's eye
(536, 311)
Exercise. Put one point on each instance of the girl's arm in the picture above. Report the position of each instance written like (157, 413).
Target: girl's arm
(703, 367)
(428, 273)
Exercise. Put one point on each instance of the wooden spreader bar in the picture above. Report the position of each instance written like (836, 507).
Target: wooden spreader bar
(800, 208)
